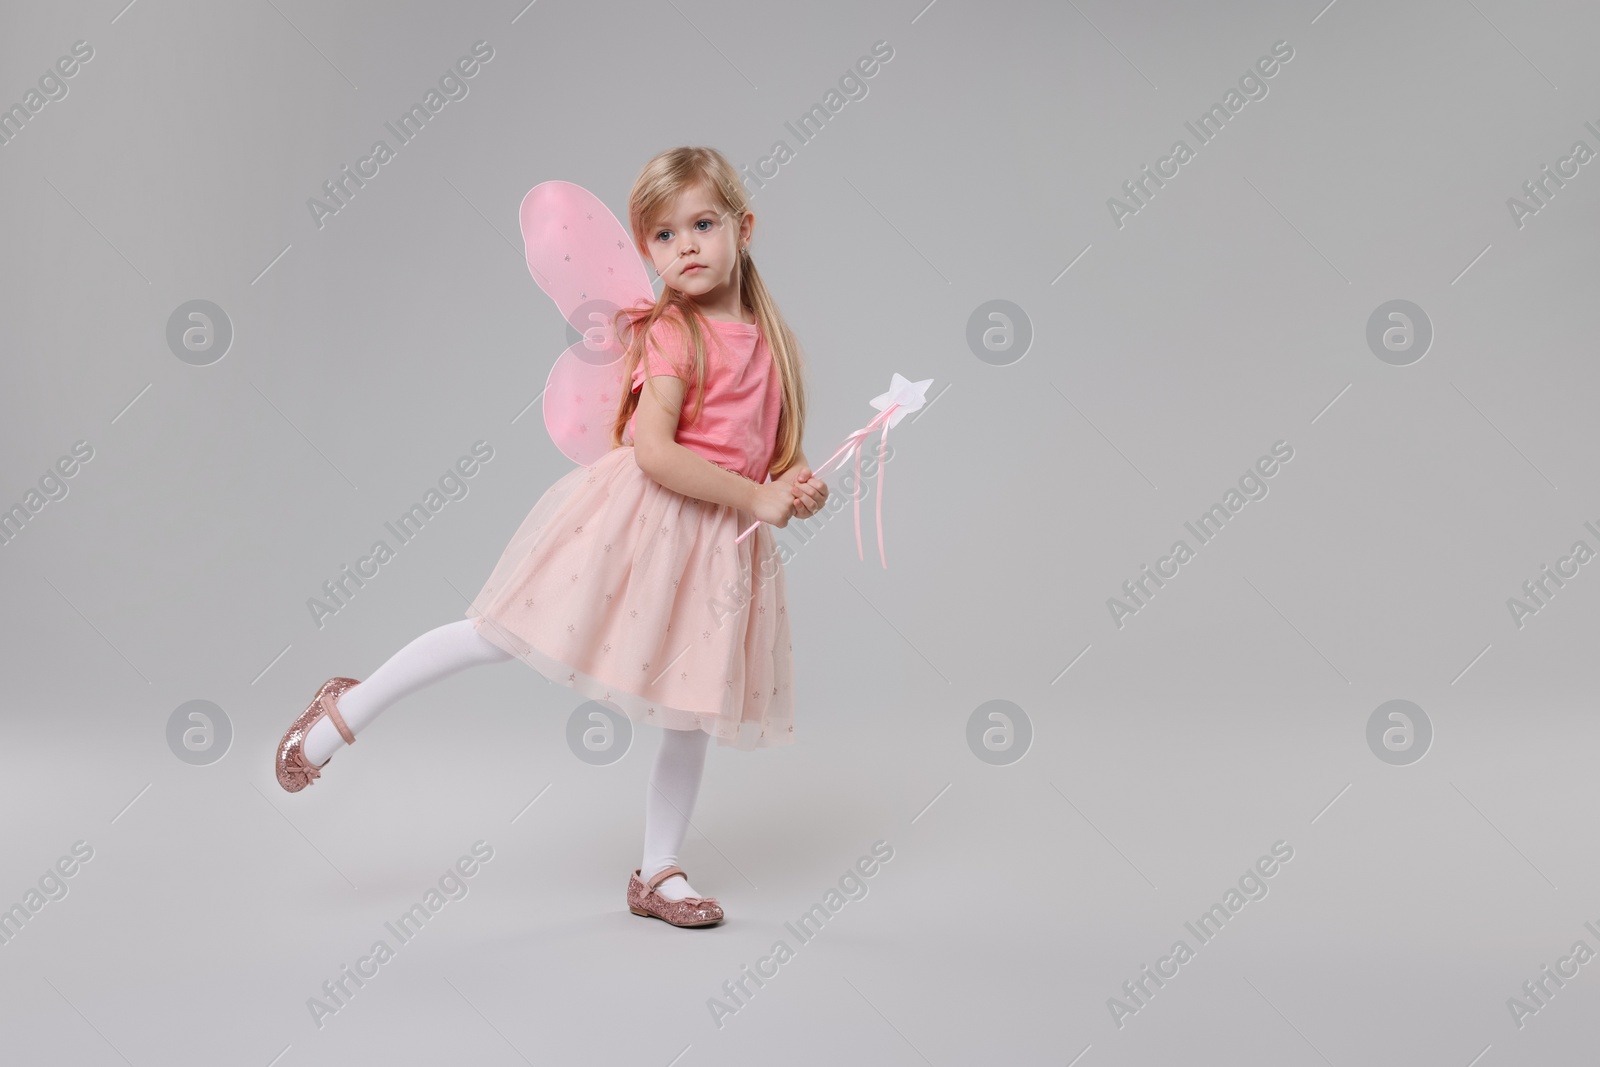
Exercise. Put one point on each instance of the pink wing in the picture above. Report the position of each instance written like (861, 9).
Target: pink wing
(584, 259)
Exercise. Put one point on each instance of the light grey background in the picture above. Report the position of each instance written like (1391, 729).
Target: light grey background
(1231, 713)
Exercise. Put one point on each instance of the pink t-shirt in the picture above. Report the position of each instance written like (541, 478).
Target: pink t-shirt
(738, 426)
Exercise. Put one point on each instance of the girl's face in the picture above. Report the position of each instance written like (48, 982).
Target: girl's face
(695, 247)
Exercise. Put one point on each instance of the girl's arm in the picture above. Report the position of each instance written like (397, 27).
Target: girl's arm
(678, 468)
(685, 471)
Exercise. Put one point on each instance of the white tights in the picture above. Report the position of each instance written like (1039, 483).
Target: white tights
(445, 650)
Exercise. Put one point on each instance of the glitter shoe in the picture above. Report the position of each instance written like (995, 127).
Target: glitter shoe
(295, 771)
(690, 911)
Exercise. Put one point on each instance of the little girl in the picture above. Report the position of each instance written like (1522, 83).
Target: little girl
(625, 581)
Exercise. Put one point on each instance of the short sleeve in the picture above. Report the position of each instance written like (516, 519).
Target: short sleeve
(664, 353)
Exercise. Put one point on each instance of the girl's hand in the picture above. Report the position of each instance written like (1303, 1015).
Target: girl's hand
(774, 503)
(810, 493)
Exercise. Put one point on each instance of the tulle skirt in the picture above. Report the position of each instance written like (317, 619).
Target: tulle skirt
(637, 596)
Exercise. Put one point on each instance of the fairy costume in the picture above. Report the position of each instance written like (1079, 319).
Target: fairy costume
(627, 591)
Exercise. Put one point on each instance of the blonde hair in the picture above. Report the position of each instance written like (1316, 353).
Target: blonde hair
(659, 184)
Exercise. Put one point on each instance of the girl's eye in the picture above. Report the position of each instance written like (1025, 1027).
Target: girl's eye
(709, 222)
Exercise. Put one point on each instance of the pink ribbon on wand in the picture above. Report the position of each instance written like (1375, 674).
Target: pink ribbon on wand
(903, 396)
(844, 450)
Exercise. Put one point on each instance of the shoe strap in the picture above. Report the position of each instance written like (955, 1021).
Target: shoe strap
(332, 709)
(661, 876)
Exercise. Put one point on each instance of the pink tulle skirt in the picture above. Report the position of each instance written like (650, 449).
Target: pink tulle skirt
(637, 596)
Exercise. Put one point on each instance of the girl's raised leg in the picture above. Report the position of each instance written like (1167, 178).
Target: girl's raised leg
(437, 654)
